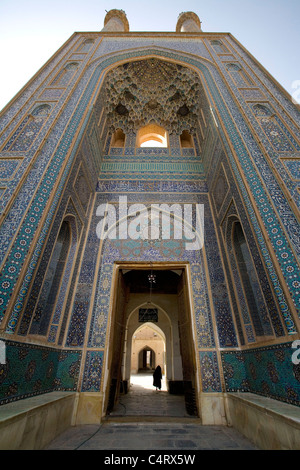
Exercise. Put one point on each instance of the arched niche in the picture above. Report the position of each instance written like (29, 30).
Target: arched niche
(118, 139)
(186, 140)
(53, 282)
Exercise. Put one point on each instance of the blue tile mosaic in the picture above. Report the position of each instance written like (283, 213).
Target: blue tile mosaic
(266, 371)
(175, 175)
(32, 370)
(209, 372)
(8, 167)
(92, 372)
(285, 262)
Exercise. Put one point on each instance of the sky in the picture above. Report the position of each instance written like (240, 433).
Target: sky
(31, 31)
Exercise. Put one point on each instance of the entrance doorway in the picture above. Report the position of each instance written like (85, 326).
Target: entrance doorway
(146, 359)
(150, 328)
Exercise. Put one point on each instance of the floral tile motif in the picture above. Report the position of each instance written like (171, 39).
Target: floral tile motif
(209, 372)
(92, 373)
(266, 371)
(32, 370)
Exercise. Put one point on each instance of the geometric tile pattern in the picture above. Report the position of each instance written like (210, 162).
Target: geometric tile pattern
(290, 268)
(261, 166)
(209, 372)
(293, 166)
(8, 166)
(92, 373)
(266, 371)
(32, 370)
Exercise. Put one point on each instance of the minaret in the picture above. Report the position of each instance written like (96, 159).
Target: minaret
(188, 22)
(116, 20)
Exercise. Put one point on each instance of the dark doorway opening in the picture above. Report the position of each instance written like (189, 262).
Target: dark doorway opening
(147, 359)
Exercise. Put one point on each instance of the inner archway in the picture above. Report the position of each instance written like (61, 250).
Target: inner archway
(148, 349)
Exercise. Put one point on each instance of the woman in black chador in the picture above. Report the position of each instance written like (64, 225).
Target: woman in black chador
(157, 376)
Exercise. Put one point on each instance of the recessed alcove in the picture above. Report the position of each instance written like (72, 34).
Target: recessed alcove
(118, 139)
(186, 140)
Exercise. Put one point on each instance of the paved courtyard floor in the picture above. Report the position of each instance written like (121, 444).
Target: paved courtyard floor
(147, 420)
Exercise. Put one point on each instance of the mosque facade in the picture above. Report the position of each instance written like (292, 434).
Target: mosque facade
(150, 189)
